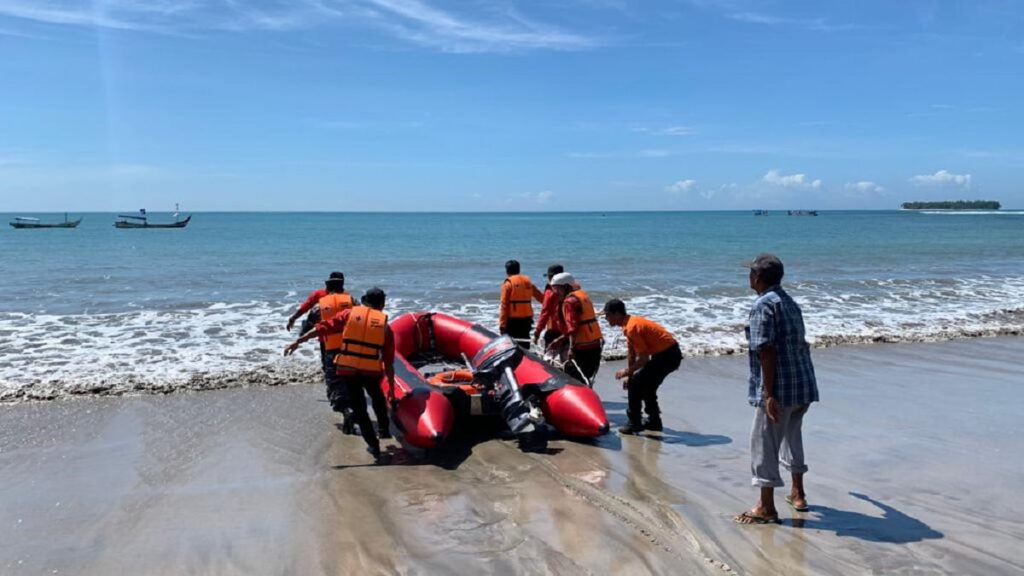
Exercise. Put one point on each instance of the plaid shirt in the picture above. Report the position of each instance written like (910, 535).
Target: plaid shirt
(775, 319)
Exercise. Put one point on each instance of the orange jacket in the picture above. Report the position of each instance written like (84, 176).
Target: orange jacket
(330, 306)
(362, 343)
(517, 295)
(580, 320)
(645, 337)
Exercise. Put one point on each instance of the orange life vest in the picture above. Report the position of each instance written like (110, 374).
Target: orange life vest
(362, 345)
(587, 330)
(645, 337)
(520, 297)
(330, 306)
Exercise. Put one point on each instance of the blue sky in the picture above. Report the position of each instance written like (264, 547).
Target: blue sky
(505, 105)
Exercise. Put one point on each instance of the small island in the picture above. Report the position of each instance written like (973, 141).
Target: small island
(953, 205)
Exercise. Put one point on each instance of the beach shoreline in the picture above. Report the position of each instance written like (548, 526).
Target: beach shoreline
(284, 372)
(912, 453)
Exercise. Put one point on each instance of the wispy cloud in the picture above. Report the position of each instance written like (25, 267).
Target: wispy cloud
(412, 21)
(794, 181)
(418, 22)
(814, 24)
(740, 11)
(682, 186)
(540, 198)
(942, 178)
(652, 153)
(667, 131)
(864, 188)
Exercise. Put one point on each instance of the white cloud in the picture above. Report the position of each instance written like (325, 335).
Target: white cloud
(409, 20)
(667, 131)
(542, 197)
(795, 181)
(682, 186)
(942, 178)
(864, 188)
(654, 153)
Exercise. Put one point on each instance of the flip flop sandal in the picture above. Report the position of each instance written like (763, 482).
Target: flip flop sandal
(804, 508)
(748, 518)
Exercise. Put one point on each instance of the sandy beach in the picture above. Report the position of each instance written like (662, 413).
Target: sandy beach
(914, 452)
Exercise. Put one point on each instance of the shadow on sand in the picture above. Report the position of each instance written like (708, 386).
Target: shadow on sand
(894, 527)
(455, 450)
(670, 435)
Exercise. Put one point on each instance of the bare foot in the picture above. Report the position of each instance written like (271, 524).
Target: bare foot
(798, 502)
(757, 516)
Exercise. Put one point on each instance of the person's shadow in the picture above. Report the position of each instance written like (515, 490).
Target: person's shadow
(455, 450)
(894, 527)
(692, 439)
(668, 435)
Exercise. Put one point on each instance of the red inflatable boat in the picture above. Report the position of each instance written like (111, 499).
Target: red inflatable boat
(428, 403)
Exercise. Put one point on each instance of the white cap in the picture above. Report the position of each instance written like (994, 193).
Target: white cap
(563, 279)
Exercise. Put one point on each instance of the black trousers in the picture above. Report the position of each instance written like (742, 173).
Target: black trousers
(588, 360)
(370, 384)
(643, 386)
(337, 392)
(520, 328)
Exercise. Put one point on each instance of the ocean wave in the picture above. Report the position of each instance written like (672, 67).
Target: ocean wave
(224, 344)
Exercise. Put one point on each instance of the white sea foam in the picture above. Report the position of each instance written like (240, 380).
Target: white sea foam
(167, 350)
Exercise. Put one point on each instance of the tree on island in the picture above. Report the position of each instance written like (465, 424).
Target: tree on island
(953, 205)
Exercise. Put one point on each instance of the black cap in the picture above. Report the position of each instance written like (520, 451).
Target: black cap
(337, 275)
(373, 297)
(767, 266)
(614, 306)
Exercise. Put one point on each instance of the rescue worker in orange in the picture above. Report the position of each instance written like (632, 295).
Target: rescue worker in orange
(653, 355)
(582, 331)
(550, 320)
(367, 355)
(517, 295)
(311, 301)
(328, 306)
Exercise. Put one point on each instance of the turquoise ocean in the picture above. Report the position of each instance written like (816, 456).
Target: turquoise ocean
(97, 308)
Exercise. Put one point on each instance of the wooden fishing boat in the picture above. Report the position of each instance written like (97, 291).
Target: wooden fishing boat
(25, 222)
(141, 220)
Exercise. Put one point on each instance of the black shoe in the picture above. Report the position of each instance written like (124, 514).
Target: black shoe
(348, 425)
(631, 428)
(378, 457)
(384, 433)
(653, 424)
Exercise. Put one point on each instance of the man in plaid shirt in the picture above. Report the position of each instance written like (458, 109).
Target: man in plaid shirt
(781, 388)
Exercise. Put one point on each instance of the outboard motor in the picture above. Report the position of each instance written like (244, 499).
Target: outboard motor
(494, 365)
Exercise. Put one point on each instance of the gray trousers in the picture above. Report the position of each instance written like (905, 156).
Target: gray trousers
(774, 443)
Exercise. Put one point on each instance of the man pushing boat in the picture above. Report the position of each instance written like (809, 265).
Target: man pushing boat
(366, 354)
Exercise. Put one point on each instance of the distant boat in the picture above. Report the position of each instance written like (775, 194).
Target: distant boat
(142, 221)
(802, 212)
(23, 222)
(760, 212)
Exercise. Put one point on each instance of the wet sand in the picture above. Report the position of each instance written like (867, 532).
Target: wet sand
(914, 454)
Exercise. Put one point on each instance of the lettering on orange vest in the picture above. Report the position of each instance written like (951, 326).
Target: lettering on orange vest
(645, 337)
(362, 346)
(587, 330)
(520, 298)
(330, 306)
